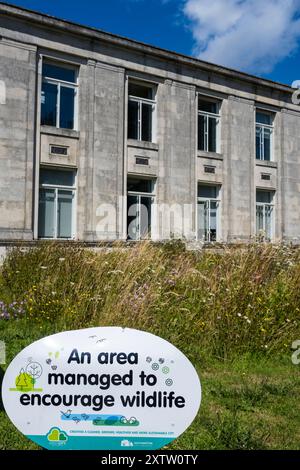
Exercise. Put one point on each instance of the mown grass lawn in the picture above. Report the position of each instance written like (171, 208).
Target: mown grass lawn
(235, 315)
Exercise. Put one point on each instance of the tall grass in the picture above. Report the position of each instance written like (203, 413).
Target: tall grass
(235, 301)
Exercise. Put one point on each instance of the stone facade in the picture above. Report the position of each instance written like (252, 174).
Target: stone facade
(102, 156)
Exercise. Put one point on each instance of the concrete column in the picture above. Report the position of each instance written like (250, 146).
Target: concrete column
(17, 121)
(241, 163)
(177, 162)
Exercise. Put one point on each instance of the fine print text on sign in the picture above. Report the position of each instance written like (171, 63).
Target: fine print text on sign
(101, 388)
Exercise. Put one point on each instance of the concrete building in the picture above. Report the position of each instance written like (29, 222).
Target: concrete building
(105, 138)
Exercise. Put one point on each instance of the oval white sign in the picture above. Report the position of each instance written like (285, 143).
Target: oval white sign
(101, 388)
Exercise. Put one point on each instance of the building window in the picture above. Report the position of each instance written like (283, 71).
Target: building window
(140, 198)
(141, 111)
(56, 204)
(264, 136)
(59, 96)
(208, 213)
(264, 214)
(208, 125)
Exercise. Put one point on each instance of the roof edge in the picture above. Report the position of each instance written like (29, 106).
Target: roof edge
(95, 33)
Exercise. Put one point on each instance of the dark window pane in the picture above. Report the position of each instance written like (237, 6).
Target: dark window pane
(145, 217)
(212, 135)
(203, 221)
(139, 185)
(146, 122)
(213, 221)
(262, 118)
(64, 214)
(46, 213)
(48, 102)
(57, 177)
(133, 112)
(67, 100)
(140, 91)
(132, 217)
(258, 142)
(208, 106)
(138, 217)
(206, 191)
(59, 72)
(259, 219)
(267, 144)
(263, 196)
(201, 132)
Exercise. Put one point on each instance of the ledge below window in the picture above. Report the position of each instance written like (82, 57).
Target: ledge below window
(142, 144)
(211, 155)
(61, 132)
(266, 163)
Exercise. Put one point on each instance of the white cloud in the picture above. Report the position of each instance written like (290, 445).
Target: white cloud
(250, 35)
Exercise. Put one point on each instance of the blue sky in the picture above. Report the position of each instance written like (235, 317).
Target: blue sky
(261, 37)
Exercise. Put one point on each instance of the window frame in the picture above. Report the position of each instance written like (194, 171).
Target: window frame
(66, 84)
(266, 206)
(140, 195)
(217, 116)
(140, 101)
(57, 188)
(263, 127)
(209, 200)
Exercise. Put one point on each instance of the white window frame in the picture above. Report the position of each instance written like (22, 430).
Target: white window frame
(209, 201)
(58, 187)
(266, 206)
(139, 195)
(65, 84)
(141, 101)
(263, 128)
(207, 115)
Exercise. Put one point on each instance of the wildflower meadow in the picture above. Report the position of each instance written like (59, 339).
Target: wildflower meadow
(235, 312)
